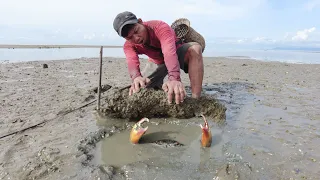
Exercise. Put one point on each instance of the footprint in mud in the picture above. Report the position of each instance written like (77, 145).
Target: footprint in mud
(104, 88)
(46, 161)
(92, 92)
(236, 171)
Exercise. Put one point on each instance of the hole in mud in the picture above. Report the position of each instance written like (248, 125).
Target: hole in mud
(160, 138)
(168, 143)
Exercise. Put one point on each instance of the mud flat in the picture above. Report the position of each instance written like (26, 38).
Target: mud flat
(271, 129)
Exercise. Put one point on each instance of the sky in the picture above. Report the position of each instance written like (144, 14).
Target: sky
(223, 23)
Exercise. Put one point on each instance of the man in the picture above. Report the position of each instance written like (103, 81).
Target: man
(158, 41)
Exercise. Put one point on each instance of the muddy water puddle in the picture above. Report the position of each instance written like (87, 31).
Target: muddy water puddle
(179, 141)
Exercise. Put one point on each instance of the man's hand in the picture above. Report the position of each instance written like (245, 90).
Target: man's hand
(175, 88)
(138, 82)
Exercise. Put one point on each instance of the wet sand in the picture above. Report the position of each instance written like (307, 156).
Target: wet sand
(272, 130)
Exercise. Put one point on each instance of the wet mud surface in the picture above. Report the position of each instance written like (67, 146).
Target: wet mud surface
(271, 129)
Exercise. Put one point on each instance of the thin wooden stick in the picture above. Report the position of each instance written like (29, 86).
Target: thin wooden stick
(100, 76)
(15, 132)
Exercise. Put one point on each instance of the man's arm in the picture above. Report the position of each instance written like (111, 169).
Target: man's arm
(168, 45)
(132, 60)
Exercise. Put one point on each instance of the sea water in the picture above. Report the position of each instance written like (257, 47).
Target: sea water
(35, 54)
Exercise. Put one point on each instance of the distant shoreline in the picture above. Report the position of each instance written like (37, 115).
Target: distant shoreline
(35, 52)
(44, 46)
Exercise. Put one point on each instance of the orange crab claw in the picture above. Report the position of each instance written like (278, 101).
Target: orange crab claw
(137, 131)
(206, 137)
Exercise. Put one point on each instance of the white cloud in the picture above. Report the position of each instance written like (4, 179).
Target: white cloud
(303, 34)
(75, 20)
(223, 10)
(23, 38)
(228, 40)
(263, 40)
(310, 5)
(248, 40)
(287, 36)
(241, 40)
(102, 12)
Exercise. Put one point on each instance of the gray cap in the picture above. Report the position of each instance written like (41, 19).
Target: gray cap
(123, 19)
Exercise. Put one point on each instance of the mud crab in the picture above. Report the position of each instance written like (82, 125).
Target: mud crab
(137, 131)
(206, 138)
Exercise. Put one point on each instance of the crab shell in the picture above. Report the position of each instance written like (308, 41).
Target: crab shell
(137, 131)
(206, 138)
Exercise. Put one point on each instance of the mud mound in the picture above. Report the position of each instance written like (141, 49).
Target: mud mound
(153, 103)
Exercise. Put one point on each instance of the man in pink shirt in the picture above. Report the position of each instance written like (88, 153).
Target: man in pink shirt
(158, 41)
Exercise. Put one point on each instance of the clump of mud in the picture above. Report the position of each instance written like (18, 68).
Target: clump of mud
(153, 103)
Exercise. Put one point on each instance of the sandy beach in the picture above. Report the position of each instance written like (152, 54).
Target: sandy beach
(272, 128)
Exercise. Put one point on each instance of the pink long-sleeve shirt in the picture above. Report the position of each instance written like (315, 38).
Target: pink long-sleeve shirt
(163, 38)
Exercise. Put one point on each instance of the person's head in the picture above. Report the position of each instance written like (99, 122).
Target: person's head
(128, 26)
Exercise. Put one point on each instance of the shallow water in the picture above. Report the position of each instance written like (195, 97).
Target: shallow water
(184, 133)
(33, 54)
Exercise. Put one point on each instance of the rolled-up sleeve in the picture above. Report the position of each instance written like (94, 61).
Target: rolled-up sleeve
(167, 39)
(132, 60)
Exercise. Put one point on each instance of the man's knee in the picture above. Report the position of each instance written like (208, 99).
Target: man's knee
(195, 50)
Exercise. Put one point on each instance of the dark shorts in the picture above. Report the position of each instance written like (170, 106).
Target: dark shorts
(160, 73)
